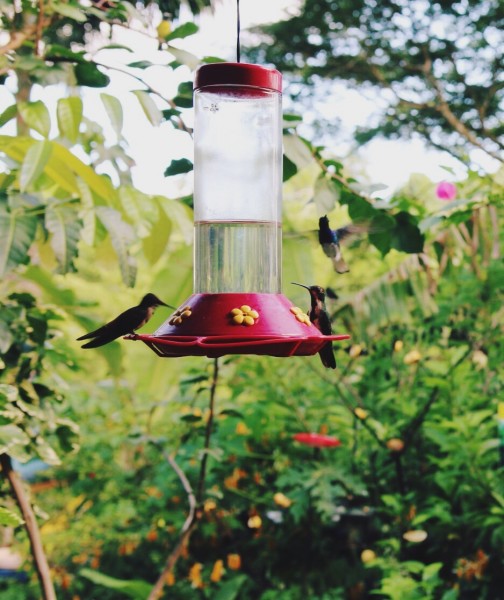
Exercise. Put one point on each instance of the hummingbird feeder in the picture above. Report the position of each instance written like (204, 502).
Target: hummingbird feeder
(237, 306)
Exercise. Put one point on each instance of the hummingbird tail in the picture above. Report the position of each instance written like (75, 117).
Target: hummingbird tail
(339, 264)
(327, 356)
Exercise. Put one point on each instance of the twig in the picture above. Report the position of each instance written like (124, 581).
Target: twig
(18, 38)
(40, 26)
(39, 557)
(195, 501)
(208, 432)
(185, 484)
(495, 232)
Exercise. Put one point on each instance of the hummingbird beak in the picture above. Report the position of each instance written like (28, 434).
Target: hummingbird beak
(168, 305)
(300, 284)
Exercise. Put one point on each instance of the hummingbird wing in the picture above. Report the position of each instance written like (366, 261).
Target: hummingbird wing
(326, 352)
(324, 323)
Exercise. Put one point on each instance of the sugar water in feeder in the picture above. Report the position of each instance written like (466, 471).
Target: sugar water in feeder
(237, 179)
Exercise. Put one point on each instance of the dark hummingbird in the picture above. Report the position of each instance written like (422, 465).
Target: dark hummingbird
(330, 240)
(320, 318)
(127, 322)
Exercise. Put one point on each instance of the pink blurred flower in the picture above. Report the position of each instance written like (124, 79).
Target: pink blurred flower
(317, 440)
(446, 190)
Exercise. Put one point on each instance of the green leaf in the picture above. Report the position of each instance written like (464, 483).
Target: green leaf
(17, 232)
(13, 441)
(152, 112)
(184, 57)
(36, 116)
(230, 590)
(297, 151)
(134, 588)
(380, 228)
(141, 64)
(8, 114)
(56, 169)
(56, 52)
(114, 111)
(69, 113)
(289, 168)
(9, 518)
(99, 184)
(90, 75)
(407, 236)
(183, 101)
(291, 120)
(34, 163)
(231, 412)
(64, 225)
(155, 244)
(183, 31)
(176, 167)
(326, 194)
(190, 418)
(122, 236)
(69, 11)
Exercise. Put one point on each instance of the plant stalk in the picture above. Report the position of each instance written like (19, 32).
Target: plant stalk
(39, 556)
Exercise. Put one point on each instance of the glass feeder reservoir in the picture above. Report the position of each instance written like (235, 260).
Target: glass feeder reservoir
(237, 306)
(237, 179)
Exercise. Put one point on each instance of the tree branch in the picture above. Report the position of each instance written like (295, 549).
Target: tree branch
(195, 501)
(18, 38)
(39, 557)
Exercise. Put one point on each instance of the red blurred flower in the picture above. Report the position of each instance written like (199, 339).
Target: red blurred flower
(317, 440)
(446, 190)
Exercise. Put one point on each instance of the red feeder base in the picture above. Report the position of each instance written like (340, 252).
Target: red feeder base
(217, 324)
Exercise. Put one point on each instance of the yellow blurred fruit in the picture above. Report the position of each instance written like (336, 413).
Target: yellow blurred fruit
(163, 29)
(282, 500)
(254, 522)
(234, 561)
(355, 351)
(217, 571)
(367, 556)
(480, 359)
(151, 536)
(398, 345)
(412, 357)
(395, 444)
(194, 575)
(242, 429)
(360, 413)
(209, 505)
(415, 535)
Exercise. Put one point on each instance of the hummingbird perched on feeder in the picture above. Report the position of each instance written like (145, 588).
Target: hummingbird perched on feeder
(330, 240)
(320, 318)
(127, 322)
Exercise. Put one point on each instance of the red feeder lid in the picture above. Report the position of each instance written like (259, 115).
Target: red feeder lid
(238, 74)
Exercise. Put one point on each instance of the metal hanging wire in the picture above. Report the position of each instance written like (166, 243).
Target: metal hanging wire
(238, 31)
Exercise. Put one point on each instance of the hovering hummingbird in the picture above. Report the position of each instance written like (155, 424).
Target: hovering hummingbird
(320, 318)
(330, 240)
(127, 322)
